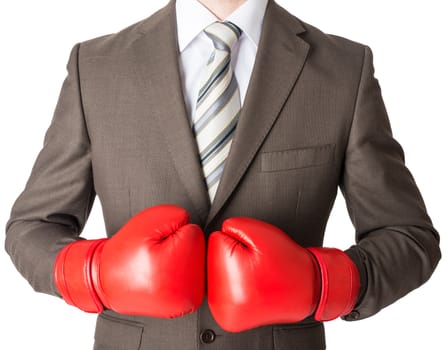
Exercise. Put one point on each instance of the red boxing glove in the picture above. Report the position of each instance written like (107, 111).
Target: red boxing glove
(153, 266)
(258, 275)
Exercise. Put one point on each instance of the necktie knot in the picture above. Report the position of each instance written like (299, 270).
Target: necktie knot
(223, 34)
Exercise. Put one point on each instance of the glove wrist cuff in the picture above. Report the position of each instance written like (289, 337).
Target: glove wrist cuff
(340, 283)
(73, 275)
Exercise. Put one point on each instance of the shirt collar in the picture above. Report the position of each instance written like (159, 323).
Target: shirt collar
(193, 17)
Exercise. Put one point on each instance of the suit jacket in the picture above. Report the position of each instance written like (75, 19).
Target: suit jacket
(313, 120)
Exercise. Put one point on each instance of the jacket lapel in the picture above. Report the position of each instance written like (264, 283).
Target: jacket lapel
(279, 61)
(156, 61)
(280, 58)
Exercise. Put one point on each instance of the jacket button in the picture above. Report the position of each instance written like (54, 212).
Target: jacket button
(207, 336)
(354, 315)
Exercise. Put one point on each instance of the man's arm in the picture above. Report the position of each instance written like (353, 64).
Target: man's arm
(53, 208)
(397, 247)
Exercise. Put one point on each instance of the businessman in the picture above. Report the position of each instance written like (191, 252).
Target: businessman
(216, 135)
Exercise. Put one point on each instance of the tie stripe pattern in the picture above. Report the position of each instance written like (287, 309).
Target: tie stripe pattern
(218, 104)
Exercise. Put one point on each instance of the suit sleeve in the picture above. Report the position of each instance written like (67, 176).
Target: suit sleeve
(397, 247)
(54, 206)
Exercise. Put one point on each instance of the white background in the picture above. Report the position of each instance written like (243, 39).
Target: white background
(409, 42)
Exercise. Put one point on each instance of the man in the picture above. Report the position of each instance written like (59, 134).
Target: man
(127, 128)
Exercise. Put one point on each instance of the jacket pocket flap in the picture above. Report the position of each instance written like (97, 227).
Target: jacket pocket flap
(116, 334)
(303, 337)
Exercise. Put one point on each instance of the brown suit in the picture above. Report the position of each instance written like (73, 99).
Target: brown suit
(313, 120)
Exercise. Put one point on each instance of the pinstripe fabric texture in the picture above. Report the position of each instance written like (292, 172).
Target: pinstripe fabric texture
(218, 104)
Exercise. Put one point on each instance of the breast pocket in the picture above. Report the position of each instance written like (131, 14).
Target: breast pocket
(297, 158)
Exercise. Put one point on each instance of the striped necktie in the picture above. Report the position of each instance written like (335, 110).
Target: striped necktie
(218, 104)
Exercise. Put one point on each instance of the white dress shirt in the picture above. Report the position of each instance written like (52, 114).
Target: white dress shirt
(195, 47)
